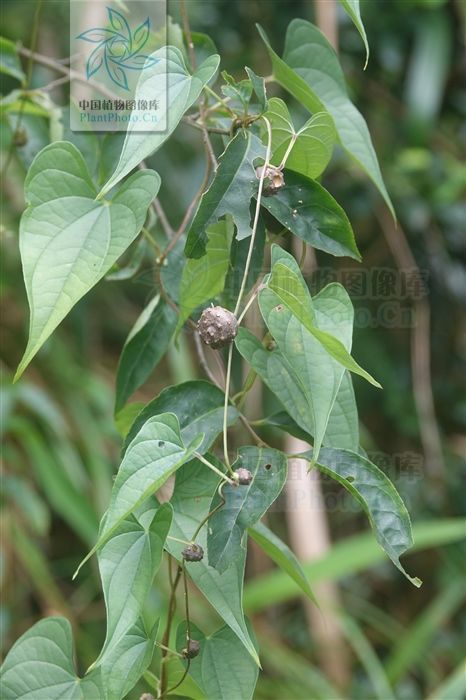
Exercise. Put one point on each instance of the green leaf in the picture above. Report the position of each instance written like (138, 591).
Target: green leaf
(128, 563)
(352, 8)
(290, 288)
(238, 257)
(258, 86)
(175, 89)
(311, 146)
(198, 406)
(310, 212)
(9, 60)
(130, 267)
(204, 278)
(310, 71)
(239, 91)
(223, 670)
(155, 453)
(342, 427)
(124, 664)
(68, 240)
(234, 184)
(39, 666)
(377, 495)
(144, 348)
(244, 505)
(282, 555)
(195, 485)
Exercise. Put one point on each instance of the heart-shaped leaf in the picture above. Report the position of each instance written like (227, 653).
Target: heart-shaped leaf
(128, 563)
(223, 668)
(234, 184)
(197, 404)
(310, 71)
(377, 495)
(310, 212)
(169, 82)
(155, 453)
(288, 284)
(40, 666)
(195, 485)
(68, 239)
(311, 146)
(244, 505)
(125, 662)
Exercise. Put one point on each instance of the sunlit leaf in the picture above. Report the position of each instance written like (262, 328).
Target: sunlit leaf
(40, 666)
(206, 417)
(155, 453)
(311, 146)
(68, 239)
(311, 72)
(128, 563)
(175, 89)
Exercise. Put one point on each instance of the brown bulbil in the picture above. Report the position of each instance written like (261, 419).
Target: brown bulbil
(243, 476)
(274, 179)
(217, 327)
(193, 552)
(192, 649)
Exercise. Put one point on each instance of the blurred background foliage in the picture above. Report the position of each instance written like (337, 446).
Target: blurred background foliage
(60, 443)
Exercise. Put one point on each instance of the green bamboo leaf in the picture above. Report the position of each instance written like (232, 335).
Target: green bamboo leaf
(68, 240)
(377, 495)
(244, 505)
(223, 669)
(353, 9)
(310, 71)
(195, 485)
(290, 288)
(40, 666)
(204, 278)
(155, 453)
(144, 348)
(126, 661)
(310, 212)
(128, 563)
(207, 418)
(311, 146)
(232, 188)
(282, 555)
(352, 555)
(175, 89)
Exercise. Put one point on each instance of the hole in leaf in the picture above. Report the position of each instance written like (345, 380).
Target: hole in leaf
(267, 466)
(350, 479)
(161, 443)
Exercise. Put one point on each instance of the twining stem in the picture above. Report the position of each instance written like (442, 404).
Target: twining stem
(166, 636)
(214, 468)
(243, 286)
